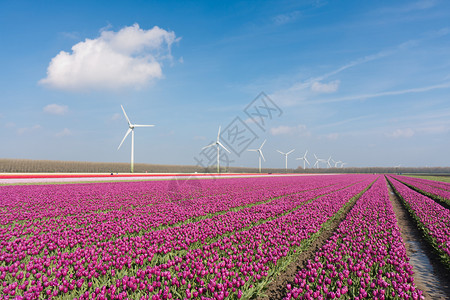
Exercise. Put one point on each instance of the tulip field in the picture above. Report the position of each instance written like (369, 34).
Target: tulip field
(215, 239)
(434, 189)
(431, 217)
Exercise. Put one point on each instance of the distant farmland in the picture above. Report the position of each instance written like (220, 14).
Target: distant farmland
(8, 165)
(56, 166)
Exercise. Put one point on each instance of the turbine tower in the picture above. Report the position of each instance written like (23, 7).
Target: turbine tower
(218, 144)
(286, 155)
(131, 129)
(304, 160)
(260, 154)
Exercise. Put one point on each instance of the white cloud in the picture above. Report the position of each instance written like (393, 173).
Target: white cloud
(330, 87)
(56, 109)
(10, 125)
(131, 57)
(64, 132)
(116, 116)
(401, 133)
(444, 85)
(24, 130)
(250, 121)
(300, 130)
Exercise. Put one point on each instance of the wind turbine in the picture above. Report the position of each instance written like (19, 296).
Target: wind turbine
(286, 155)
(218, 144)
(328, 162)
(342, 164)
(259, 150)
(304, 160)
(336, 163)
(318, 160)
(131, 129)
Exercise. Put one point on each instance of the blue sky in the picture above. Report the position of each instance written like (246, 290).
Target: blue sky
(366, 82)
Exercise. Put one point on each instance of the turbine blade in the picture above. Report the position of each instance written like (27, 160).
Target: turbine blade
(307, 161)
(281, 152)
(290, 151)
(260, 152)
(126, 134)
(262, 144)
(208, 146)
(126, 117)
(220, 144)
(218, 134)
(135, 125)
(252, 149)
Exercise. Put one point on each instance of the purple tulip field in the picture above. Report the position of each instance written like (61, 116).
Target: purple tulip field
(210, 238)
(434, 189)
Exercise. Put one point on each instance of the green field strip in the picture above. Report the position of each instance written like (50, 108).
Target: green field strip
(434, 178)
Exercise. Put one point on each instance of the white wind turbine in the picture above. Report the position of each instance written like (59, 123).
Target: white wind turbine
(286, 155)
(304, 160)
(260, 154)
(318, 160)
(218, 144)
(131, 129)
(342, 164)
(336, 163)
(328, 162)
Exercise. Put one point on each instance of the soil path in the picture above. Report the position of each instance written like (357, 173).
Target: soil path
(429, 274)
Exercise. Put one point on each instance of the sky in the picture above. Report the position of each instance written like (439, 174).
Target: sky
(365, 82)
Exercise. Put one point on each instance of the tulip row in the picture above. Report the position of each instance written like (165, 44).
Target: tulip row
(364, 258)
(81, 257)
(438, 184)
(432, 218)
(433, 189)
